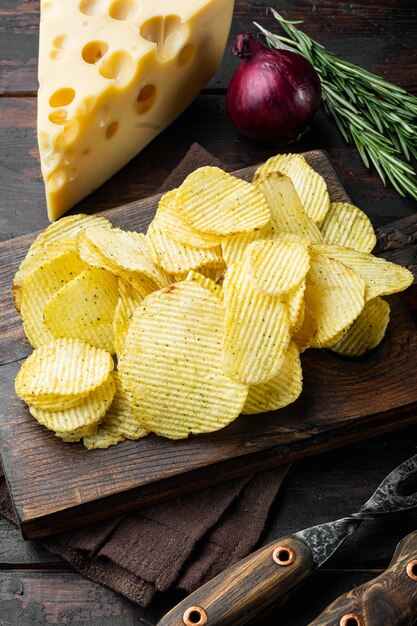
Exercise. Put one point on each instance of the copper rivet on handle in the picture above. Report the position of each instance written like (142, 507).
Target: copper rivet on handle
(412, 569)
(194, 616)
(351, 620)
(284, 555)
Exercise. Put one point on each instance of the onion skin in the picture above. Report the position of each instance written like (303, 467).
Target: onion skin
(274, 94)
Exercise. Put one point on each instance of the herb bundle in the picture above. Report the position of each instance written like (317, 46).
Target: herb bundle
(379, 118)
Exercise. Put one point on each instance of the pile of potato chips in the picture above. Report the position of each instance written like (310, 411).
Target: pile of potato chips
(207, 313)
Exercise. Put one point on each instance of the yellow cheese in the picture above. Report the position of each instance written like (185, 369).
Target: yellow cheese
(112, 75)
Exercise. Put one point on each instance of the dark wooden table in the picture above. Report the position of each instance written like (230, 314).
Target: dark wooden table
(381, 35)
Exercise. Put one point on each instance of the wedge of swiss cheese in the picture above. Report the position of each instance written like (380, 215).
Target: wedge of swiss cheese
(112, 75)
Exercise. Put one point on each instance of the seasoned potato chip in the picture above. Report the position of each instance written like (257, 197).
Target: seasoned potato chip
(77, 435)
(88, 413)
(305, 335)
(276, 267)
(287, 212)
(172, 364)
(281, 390)
(172, 224)
(335, 296)
(346, 225)
(367, 331)
(310, 186)
(84, 308)
(216, 273)
(381, 277)
(257, 329)
(118, 424)
(294, 300)
(205, 282)
(64, 367)
(126, 251)
(129, 299)
(233, 247)
(68, 227)
(216, 203)
(39, 287)
(175, 257)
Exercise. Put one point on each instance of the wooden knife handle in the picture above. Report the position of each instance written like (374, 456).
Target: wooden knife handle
(239, 593)
(388, 600)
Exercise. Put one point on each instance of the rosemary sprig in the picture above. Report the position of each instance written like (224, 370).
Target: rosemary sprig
(379, 118)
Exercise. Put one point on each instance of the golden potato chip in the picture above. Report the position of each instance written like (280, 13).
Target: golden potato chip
(64, 367)
(335, 296)
(89, 412)
(216, 273)
(172, 364)
(310, 186)
(304, 336)
(129, 299)
(276, 267)
(346, 225)
(118, 424)
(367, 331)
(233, 247)
(39, 287)
(175, 257)
(205, 282)
(216, 203)
(381, 277)
(68, 227)
(287, 212)
(281, 390)
(36, 257)
(84, 308)
(257, 329)
(299, 321)
(294, 300)
(77, 435)
(172, 224)
(126, 251)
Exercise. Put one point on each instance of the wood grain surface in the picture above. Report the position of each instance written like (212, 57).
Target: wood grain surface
(381, 35)
(341, 401)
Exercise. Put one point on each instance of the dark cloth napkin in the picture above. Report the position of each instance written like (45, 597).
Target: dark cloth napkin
(181, 543)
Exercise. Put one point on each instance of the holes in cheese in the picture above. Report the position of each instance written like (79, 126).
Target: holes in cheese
(62, 97)
(57, 180)
(62, 42)
(186, 55)
(145, 99)
(70, 132)
(49, 11)
(118, 67)
(123, 9)
(168, 32)
(103, 115)
(112, 129)
(92, 7)
(94, 51)
(58, 117)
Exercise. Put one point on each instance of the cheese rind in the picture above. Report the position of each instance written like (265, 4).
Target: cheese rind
(112, 76)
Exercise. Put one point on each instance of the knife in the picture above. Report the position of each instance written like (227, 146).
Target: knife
(239, 593)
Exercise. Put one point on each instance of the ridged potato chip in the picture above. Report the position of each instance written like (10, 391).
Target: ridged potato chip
(257, 329)
(335, 297)
(171, 365)
(367, 331)
(84, 308)
(68, 227)
(233, 247)
(177, 229)
(129, 300)
(276, 267)
(310, 186)
(77, 435)
(205, 282)
(287, 212)
(175, 257)
(126, 251)
(118, 424)
(39, 287)
(305, 335)
(346, 225)
(281, 390)
(216, 203)
(216, 273)
(62, 368)
(89, 412)
(294, 300)
(382, 278)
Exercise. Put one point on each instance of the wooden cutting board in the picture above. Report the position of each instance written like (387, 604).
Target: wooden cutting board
(57, 486)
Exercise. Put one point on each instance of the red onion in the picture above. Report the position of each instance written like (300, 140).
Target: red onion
(274, 94)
